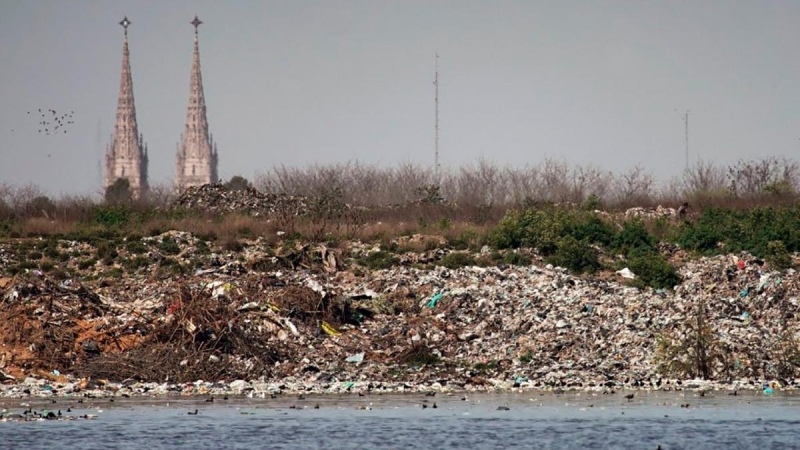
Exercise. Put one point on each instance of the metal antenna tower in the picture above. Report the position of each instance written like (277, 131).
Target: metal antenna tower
(436, 123)
(686, 136)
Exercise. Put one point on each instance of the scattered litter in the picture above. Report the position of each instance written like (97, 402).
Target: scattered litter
(626, 273)
(330, 330)
(435, 299)
(357, 358)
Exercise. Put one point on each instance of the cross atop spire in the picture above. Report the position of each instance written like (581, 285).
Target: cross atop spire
(125, 23)
(197, 154)
(196, 22)
(126, 156)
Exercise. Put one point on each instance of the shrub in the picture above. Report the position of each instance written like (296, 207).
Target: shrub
(777, 256)
(238, 183)
(135, 263)
(542, 228)
(591, 228)
(203, 248)
(460, 242)
(168, 246)
(86, 263)
(119, 192)
(233, 245)
(135, 247)
(46, 265)
(653, 270)
(516, 259)
(696, 352)
(750, 231)
(379, 260)
(41, 205)
(577, 256)
(592, 203)
(111, 215)
(633, 237)
(454, 260)
(106, 250)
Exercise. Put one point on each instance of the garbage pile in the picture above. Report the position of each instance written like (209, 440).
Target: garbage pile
(306, 320)
(217, 199)
(658, 212)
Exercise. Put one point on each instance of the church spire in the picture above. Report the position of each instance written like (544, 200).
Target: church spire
(126, 156)
(197, 155)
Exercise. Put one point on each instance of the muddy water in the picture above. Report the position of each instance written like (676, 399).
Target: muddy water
(399, 422)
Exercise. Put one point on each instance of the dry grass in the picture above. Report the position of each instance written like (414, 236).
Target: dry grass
(409, 199)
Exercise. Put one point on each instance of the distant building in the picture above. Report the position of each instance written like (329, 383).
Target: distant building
(126, 156)
(197, 154)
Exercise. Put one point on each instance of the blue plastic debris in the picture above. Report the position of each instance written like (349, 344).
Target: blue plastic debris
(435, 299)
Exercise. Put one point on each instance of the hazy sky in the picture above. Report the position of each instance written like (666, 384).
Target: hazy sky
(300, 82)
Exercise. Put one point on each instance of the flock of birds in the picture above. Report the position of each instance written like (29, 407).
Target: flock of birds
(53, 122)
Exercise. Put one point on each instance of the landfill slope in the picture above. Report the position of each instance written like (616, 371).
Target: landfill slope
(310, 318)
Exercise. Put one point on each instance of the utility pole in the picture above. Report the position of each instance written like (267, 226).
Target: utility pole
(436, 122)
(686, 136)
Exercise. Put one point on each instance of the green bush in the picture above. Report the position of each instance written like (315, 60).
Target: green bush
(633, 237)
(467, 239)
(107, 250)
(590, 228)
(135, 263)
(379, 260)
(777, 256)
(7, 225)
(86, 263)
(93, 235)
(542, 229)
(203, 248)
(455, 260)
(168, 246)
(111, 215)
(592, 203)
(119, 192)
(750, 230)
(577, 256)
(653, 270)
(135, 247)
(516, 259)
(46, 265)
(233, 245)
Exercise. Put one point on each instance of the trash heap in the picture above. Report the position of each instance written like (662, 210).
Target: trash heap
(658, 212)
(309, 319)
(217, 199)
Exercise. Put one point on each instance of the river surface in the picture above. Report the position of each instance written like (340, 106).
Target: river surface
(532, 421)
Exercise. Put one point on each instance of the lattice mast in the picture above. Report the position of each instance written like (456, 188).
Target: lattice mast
(436, 121)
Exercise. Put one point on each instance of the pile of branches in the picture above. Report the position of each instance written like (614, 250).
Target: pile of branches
(37, 322)
(200, 337)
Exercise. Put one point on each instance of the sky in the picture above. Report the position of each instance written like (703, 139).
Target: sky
(301, 82)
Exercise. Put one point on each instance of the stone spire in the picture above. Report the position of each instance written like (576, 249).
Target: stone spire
(126, 156)
(197, 153)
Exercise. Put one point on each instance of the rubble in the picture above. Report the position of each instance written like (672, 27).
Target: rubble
(305, 320)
